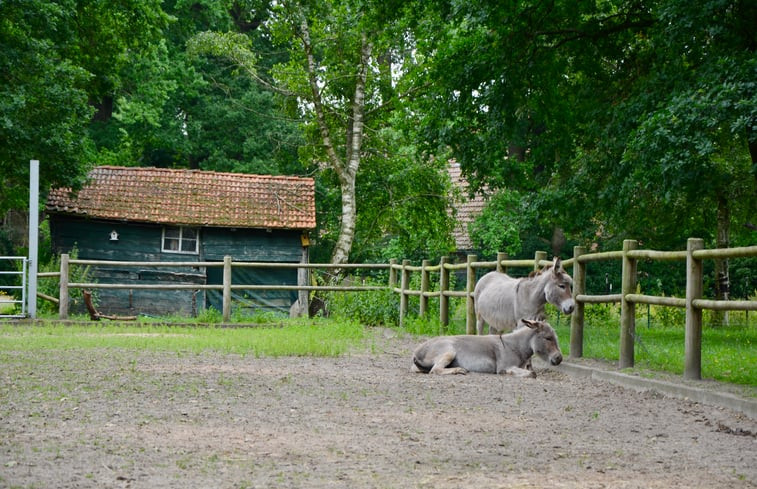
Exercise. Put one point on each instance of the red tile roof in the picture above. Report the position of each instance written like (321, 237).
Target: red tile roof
(191, 197)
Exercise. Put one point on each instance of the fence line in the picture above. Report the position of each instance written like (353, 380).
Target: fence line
(226, 287)
(400, 279)
(694, 303)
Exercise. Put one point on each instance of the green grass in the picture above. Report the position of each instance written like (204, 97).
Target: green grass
(729, 353)
(298, 338)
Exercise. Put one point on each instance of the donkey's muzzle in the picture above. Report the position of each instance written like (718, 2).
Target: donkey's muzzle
(556, 359)
(568, 306)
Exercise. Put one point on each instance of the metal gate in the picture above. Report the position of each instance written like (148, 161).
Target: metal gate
(9, 286)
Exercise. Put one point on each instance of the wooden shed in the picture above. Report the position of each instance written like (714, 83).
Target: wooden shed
(159, 215)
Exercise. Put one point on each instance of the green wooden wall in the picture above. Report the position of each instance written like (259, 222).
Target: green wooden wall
(142, 242)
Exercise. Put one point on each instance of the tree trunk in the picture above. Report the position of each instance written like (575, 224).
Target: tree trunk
(343, 245)
(558, 240)
(348, 174)
(346, 168)
(722, 278)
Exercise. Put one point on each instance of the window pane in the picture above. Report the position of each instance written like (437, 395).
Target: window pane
(189, 245)
(171, 244)
(181, 239)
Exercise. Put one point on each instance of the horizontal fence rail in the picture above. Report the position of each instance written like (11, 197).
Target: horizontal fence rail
(226, 287)
(435, 283)
(694, 303)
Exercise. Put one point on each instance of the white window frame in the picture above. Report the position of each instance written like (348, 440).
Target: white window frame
(181, 240)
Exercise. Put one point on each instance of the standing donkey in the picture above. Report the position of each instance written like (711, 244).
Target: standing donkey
(501, 300)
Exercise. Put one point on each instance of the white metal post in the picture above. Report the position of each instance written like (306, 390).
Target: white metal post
(33, 235)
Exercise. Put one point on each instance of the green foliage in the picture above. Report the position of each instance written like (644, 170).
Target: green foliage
(403, 214)
(210, 315)
(373, 308)
(51, 286)
(613, 118)
(431, 326)
(190, 108)
(499, 225)
(60, 64)
(43, 101)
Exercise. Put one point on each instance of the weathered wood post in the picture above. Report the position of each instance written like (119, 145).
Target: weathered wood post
(538, 257)
(577, 319)
(423, 307)
(226, 288)
(627, 309)
(443, 298)
(392, 273)
(63, 294)
(501, 256)
(693, 336)
(404, 282)
(470, 317)
(303, 279)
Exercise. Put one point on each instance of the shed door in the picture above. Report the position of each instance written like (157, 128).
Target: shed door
(250, 300)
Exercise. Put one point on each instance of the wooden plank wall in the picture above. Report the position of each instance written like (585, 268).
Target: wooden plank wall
(142, 242)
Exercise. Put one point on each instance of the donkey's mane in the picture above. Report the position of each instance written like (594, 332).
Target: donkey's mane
(536, 273)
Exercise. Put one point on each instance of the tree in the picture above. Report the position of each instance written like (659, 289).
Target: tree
(180, 110)
(43, 102)
(335, 80)
(633, 119)
(59, 67)
(695, 152)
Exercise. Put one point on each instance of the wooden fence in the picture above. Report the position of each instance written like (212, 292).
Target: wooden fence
(226, 287)
(694, 303)
(400, 279)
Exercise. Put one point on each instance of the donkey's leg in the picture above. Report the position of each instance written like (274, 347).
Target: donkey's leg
(440, 366)
(479, 324)
(520, 372)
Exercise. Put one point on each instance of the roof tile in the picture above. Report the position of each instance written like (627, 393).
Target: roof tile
(468, 208)
(191, 197)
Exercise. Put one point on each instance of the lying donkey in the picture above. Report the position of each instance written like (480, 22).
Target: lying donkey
(501, 354)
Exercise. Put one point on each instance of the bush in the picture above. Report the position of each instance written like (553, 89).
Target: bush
(51, 286)
(375, 307)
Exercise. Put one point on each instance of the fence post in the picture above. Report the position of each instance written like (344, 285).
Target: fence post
(404, 282)
(226, 288)
(443, 299)
(303, 279)
(470, 317)
(63, 294)
(392, 273)
(501, 256)
(539, 256)
(627, 309)
(424, 288)
(693, 335)
(577, 318)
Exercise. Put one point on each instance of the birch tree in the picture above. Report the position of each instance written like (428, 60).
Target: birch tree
(334, 80)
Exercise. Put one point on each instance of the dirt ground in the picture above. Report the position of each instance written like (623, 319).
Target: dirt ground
(119, 419)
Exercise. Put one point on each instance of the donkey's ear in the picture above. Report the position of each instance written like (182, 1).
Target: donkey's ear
(557, 265)
(530, 324)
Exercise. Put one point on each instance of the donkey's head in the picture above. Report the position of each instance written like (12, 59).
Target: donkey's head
(557, 289)
(544, 341)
